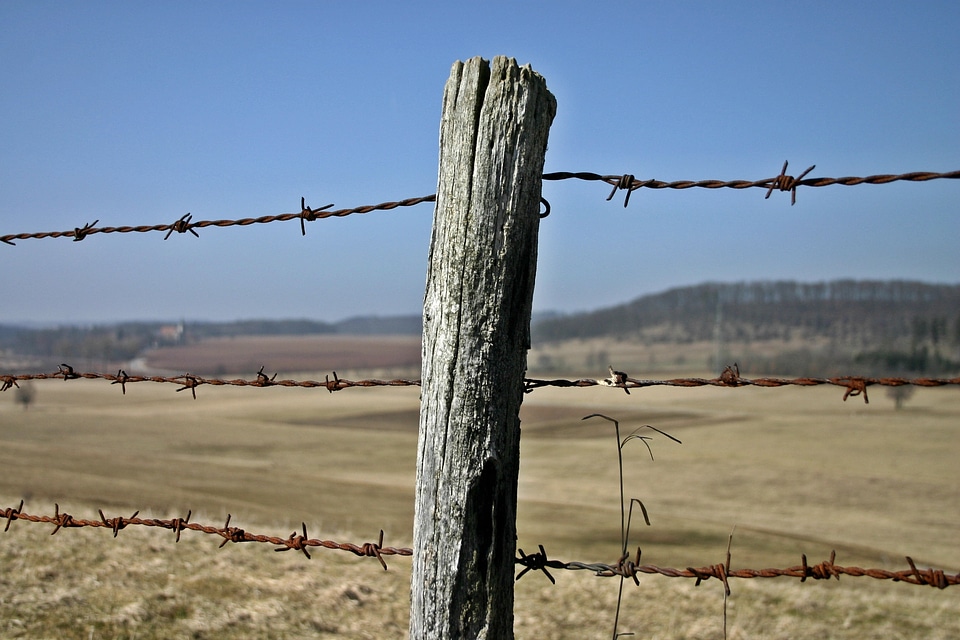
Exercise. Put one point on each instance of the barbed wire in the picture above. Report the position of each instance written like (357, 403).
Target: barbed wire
(539, 561)
(625, 567)
(190, 382)
(628, 182)
(296, 541)
(854, 385)
(730, 377)
(185, 223)
(781, 182)
(825, 570)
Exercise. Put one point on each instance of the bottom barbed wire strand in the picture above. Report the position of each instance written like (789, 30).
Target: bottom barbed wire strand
(533, 562)
(295, 541)
(822, 571)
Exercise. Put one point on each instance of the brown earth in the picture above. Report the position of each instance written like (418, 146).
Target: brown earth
(286, 354)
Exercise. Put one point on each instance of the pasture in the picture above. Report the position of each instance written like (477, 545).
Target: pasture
(794, 470)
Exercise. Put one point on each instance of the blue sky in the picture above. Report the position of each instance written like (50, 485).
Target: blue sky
(135, 113)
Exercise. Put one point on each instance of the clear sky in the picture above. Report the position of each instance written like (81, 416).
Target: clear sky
(135, 113)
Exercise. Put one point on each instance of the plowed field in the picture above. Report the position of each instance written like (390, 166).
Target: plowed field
(246, 354)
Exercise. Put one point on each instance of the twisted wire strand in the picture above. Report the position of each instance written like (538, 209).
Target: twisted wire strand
(782, 182)
(628, 182)
(184, 224)
(854, 385)
(825, 570)
(301, 541)
(295, 541)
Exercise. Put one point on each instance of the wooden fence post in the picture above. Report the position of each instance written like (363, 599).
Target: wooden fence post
(476, 332)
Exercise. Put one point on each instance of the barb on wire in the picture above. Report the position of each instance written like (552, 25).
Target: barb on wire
(333, 385)
(122, 378)
(183, 225)
(67, 373)
(295, 541)
(730, 376)
(191, 382)
(534, 562)
(783, 182)
(855, 387)
(80, 233)
(263, 380)
(309, 215)
(625, 182)
(617, 379)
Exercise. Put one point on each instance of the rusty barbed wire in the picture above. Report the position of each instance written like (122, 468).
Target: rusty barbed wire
(627, 182)
(190, 382)
(625, 567)
(781, 182)
(185, 225)
(854, 385)
(295, 541)
(825, 570)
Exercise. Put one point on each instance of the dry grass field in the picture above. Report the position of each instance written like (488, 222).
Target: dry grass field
(795, 470)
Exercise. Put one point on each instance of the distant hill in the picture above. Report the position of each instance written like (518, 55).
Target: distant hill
(411, 325)
(852, 312)
(124, 341)
(882, 325)
(784, 327)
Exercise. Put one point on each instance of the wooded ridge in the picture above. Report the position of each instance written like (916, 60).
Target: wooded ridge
(853, 312)
(888, 322)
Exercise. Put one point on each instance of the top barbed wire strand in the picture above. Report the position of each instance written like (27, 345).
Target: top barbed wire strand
(781, 182)
(628, 182)
(184, 224)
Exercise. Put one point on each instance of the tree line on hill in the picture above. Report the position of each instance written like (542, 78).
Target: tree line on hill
(846, 310)
(882, 326)
(125, 341)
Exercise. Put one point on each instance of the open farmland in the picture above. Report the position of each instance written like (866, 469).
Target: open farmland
(795, 470)
(246, 354)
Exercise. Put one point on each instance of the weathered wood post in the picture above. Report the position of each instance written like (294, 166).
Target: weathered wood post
(476, 332)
